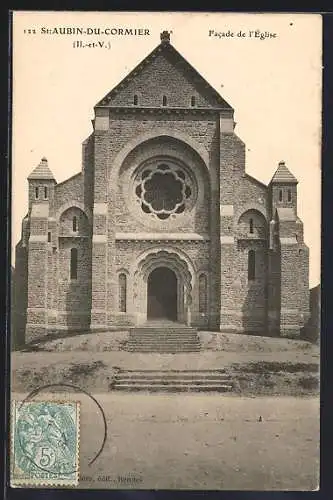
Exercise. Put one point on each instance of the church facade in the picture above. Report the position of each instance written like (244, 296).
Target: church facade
(163, 222)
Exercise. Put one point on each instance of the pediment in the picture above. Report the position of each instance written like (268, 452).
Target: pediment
(164, 72)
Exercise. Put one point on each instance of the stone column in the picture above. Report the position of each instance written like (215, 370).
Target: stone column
(99, 263)
(188, 306)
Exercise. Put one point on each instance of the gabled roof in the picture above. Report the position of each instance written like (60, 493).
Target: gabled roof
(69, 179)
(42, 171)
(165, 48)
(283, 175)
(253, 179)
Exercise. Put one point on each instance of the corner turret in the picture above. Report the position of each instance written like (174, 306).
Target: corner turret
(283, 188)
(41, 184)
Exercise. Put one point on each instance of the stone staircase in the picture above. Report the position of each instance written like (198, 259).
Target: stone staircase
(163, 339)
(172, 381)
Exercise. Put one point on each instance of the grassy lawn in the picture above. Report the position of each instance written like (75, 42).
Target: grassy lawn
(258, 365)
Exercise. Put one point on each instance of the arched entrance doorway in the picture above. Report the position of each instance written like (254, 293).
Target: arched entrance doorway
(173, 286)
(162, 294)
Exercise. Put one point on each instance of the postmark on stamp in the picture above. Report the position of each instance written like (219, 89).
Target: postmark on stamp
(45, 443)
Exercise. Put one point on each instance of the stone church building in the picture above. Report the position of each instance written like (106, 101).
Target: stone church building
(162, 222)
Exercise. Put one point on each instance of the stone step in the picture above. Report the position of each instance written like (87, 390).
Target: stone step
(163, 334)
(163, 339)
(164, 342)
(163, 351)
(166, 338)
(172, 372)
(174, 381)
(162, 348)
(137, 345)
(186, 329)
(173, 388)
(167, 331)
(187, 378)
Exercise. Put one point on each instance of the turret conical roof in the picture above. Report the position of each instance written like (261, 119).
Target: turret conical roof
(42, 171)
(283, 175)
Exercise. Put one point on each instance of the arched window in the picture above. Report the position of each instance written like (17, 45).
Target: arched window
(74, 223)
(164, 100)
(73, 263)
(280, 195)
(37, 193)
(193, 100)
(122, 292)
(289, 195)
(251, 226)
(251, 269)
(45, 193)
(202, 293)
(135, 100)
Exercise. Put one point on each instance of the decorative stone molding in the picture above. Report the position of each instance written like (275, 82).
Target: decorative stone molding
(226, 210)
(164, 189)
(162, 237)
(176, 157)
(172, 260)
(227, 125)
(73, 204)
(285, 310)
(38, 238)
(102, 123)
(216, 112)
(227, 240)
(160, 132)
(100, 238)
(250, 208)
(288, 240)
(172, 249)
(100, 208)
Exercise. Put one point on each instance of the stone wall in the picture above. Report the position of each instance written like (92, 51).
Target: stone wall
(19, 296)
(69, 190)
(111, 164)
(74, 295)
(311, 331)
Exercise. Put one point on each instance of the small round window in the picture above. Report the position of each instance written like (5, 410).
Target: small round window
(163, 190)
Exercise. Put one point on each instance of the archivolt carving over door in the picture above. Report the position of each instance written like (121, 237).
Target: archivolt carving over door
(173, 262)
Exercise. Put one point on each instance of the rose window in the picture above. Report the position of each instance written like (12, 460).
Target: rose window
(163, 191)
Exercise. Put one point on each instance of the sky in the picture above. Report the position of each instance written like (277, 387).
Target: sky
(273, 82)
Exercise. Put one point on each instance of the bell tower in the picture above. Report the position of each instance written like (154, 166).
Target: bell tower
(40, 252)
(289, 258)
(283, 188)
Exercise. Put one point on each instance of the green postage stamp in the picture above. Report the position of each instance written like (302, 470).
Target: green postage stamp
(45, 443)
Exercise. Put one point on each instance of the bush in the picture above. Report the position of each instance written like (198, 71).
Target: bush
(275, 366)
(309, 383)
